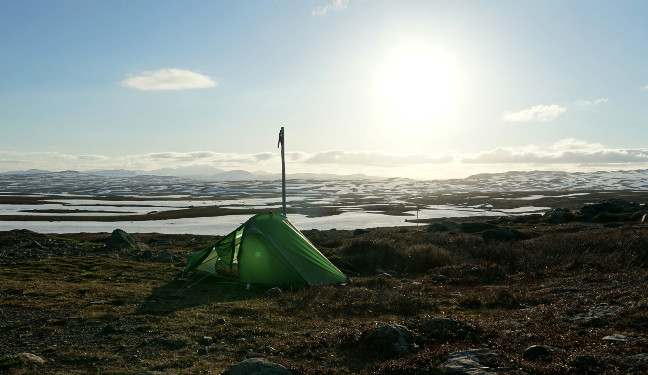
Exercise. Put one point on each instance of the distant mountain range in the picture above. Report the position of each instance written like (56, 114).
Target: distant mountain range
(199, 176)
(203, 173)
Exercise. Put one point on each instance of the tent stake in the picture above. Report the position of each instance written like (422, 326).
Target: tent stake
(283, 170)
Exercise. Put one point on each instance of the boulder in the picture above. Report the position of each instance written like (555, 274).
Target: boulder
(613, 206)
(31, 359)
(469, 362)
(389, 340)
(617, 338)
(596, 316)
(558, 216)
(259, 366)
(535, 352)
(119, 239)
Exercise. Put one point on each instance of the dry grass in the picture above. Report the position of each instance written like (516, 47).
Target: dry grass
(86, 310)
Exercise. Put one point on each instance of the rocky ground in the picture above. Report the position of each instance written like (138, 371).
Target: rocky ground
(559, 293)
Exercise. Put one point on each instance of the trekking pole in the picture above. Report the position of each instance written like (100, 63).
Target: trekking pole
(283, 169)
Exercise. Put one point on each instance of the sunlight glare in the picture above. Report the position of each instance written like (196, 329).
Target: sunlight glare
(417, 83)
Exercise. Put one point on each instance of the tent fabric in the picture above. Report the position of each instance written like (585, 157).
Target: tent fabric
(268, 250)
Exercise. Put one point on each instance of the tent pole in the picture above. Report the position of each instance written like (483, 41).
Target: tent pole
(283, 170)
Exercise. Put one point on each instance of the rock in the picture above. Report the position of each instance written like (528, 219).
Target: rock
(119, 239)
(475, 227)
(259, 366)
(31, 359)
(610, 206)
(469, 362)
(535, 352)
(359, 232)
(558, 216)
(202, 350)
(239, 340)
(220, 321)
(644, 218)
(393, 339)
(617, 338)
(273, 292)
(595, 316)
(436, 227)
(503, 234)
(148, 254)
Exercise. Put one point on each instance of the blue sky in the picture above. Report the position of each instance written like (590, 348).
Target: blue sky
(422, 89)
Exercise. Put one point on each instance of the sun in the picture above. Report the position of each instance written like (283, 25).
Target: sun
(417, 83)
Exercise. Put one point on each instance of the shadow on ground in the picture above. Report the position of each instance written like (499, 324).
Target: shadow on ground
(178, 295)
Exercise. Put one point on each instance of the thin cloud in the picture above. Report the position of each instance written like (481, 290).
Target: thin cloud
(331, 6)
(167, 79)
(566, 151)
(540, 113)
(590, 103)
(564, 154)
(375, 158)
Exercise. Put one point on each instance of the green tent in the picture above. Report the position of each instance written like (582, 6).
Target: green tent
(268, 250)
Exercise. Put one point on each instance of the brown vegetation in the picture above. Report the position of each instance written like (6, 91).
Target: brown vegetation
(88, 309)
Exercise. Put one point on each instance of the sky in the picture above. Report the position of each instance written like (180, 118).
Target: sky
(419, 89)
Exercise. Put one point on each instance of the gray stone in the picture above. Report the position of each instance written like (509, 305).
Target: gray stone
(119, 239)
(535, 352)
(397, 337)
(257, 366)
(469, 362)
(273, 292)
(239, 340)
(558, 216)
(596, 315)
(617, 338)
(31, 359)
